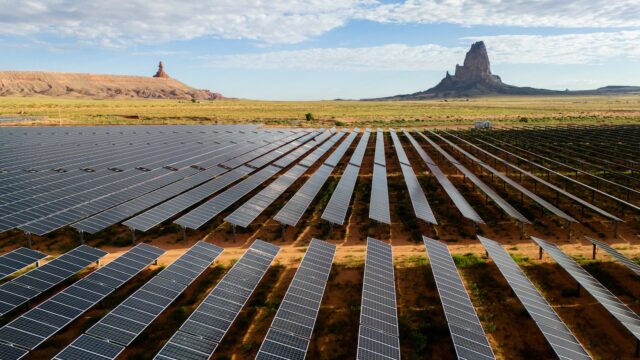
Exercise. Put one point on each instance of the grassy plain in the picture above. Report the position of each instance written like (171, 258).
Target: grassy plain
(449, 112)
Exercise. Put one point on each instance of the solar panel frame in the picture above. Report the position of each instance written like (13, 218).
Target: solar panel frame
(454, 296)
(542, 202)
(294, 321)
(633, 266)
(68, 307)
(627, 317)
(18, 259)
(547, 320)
(202, 214)
(124, 323)
(379, 200)
(223, 300)
(419, 201)
(32, 284)
(494, 196)
(338, 204)
(460, 202)
(378, 335)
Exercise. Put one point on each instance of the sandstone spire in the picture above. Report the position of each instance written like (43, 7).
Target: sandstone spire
(160, 73)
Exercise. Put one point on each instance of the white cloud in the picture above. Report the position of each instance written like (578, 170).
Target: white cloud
(521, 13)
(120, 23)
(591, 48)
(387, 57)
(124, 23)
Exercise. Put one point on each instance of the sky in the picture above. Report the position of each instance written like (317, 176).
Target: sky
(326, 49)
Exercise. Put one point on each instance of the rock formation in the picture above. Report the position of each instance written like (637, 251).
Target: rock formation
(93, 86)
(473, 78)
(160, 73)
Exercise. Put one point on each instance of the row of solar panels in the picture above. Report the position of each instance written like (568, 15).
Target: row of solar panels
(293, 324)
(48, 210)
(117, 196)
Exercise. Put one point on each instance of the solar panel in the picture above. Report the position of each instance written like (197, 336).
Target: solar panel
(250, 210)
(378, 334)
(555, 188)
(210, 209)
(358, 153)
(200, 334)
(166, 210)
(418, 199)
(632, 265)
(128, 320)
(379, 201)
(379, 153)
(337, 207)
(121, 212)
(547, 205)
(30, 285)
(460, 202)
(291, 329)
(316, 154)
(40, 323)
(338, 204)
(614, 306)
(18, 259)
(562, 341)
(339, 152)
(292, 211)
(469, 339)
(501, 202)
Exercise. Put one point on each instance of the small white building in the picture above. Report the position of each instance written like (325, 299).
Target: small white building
(483, 124)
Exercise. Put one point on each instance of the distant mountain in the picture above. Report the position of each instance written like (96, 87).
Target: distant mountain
(474, 78)
(93, 86)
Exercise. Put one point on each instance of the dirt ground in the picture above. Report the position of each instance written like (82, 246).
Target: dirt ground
(423, 328)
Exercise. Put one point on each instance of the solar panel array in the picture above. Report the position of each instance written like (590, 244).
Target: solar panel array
(565, 177)
(200, 334)
(558, 189)
(338, 204)
(196, 174)
(118, 329)
(215, 206)
(168, 209)
(292, 211)
(38, 324)
(563, 342)
(460, 202)
(530, 194)
(210, 209)
(101, 173)
(614, 306)
(156, 215)
(378, 336)
(632, 265)
(30, 285)
(291, 329)
(379, 201)
(469, 339)
(494, 196)
(250, 210)
(36, 206)
(418, 199)
(18, 259)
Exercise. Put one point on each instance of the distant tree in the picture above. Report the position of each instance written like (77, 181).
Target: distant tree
(309, 116)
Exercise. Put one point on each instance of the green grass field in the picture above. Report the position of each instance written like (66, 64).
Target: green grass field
(502, 110)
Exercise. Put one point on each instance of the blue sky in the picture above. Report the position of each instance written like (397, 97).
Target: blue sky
(321, 49)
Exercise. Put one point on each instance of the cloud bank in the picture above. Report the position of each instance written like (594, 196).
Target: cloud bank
(125, 23)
